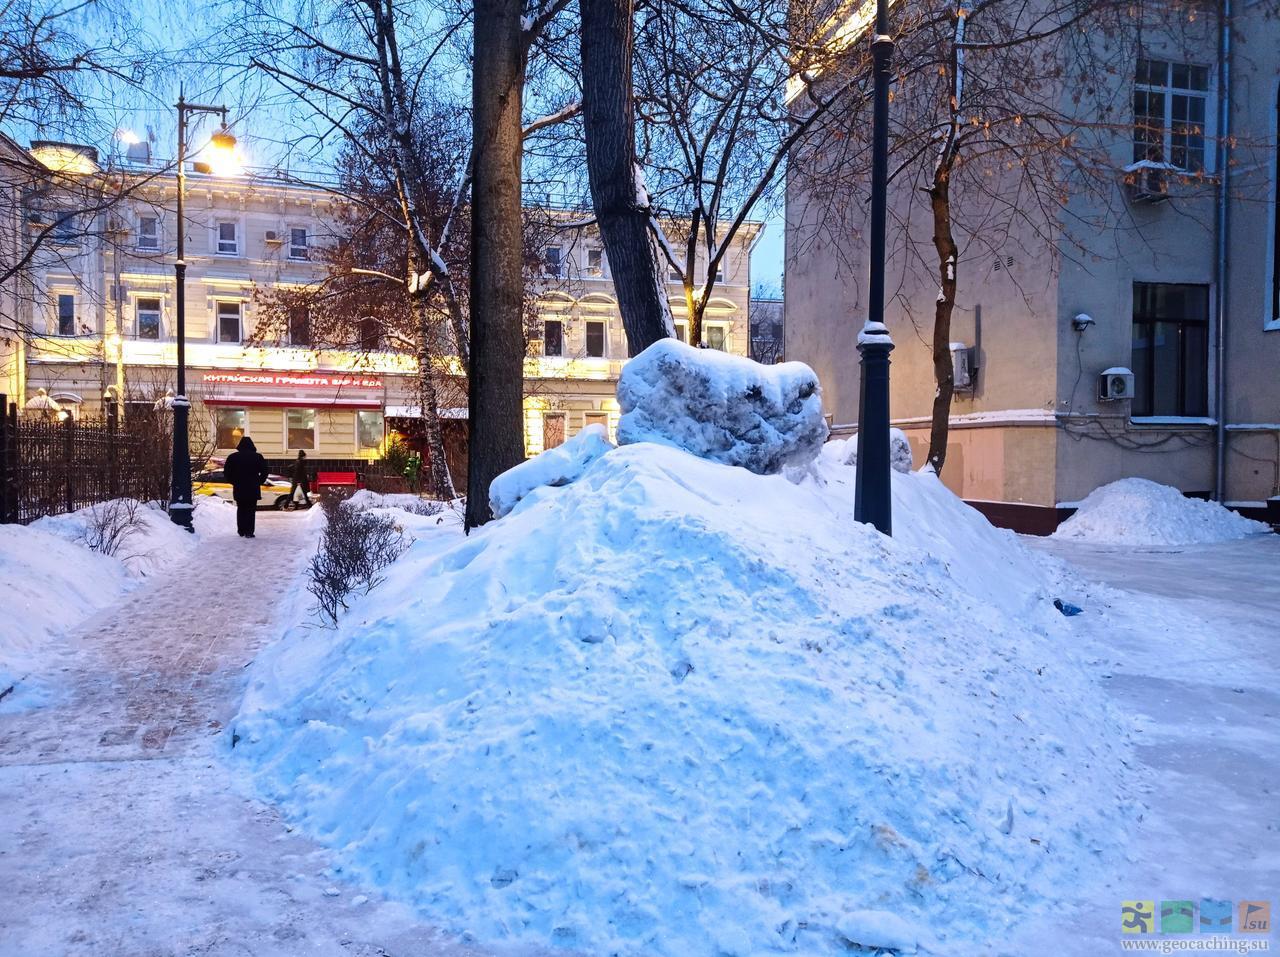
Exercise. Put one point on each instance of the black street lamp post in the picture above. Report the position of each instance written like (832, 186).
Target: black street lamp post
(873, 502)
(180, 505)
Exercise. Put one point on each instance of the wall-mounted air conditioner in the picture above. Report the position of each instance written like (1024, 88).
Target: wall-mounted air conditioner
(1115, 383)
(274, 238)
(1146, 182)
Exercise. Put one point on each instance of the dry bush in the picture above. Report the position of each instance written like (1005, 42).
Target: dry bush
(110, 525)
(355, 548)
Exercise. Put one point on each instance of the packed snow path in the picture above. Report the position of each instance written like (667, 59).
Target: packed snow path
(122, 832)
(1191, 649)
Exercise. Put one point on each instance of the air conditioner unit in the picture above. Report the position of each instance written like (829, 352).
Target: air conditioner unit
(963, 367)
(1147, 183)
(1115, 383)
(273, 237)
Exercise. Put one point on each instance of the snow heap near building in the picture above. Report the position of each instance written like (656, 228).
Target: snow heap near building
(1135, 511)
(845, 451)
(672, 707)
(553, 468)
(722, 407)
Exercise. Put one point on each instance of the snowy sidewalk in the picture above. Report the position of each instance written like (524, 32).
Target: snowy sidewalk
(122, 832)
(1191, 647)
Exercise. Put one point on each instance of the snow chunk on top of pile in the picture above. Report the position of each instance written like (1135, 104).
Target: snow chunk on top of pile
(722, 407)
(1135, 511)
(553, 468)
(675, 708)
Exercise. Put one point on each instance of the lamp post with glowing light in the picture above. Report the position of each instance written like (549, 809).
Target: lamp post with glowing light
(872, 501)
(180, 505)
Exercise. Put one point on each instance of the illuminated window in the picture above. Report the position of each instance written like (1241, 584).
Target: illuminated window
(298, 243)
(66, 314)
(228, 321)
(300, 428)
(1170, 101)
(148, 233)
(596, 339)
(147, 313)
(369, 430)
(228, 239)
(230, 425)
(552, 337)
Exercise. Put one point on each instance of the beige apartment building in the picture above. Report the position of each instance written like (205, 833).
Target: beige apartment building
(1148, 347)
(98, 322)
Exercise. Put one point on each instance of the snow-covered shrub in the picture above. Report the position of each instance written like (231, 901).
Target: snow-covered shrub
(722, 407)
(846, 451)
(355, 547)
(554, 467)
(109, 525)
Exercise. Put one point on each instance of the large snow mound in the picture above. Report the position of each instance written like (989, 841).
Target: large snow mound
(554, 467)
(677, 708)
(722, 407)
(1135, 511)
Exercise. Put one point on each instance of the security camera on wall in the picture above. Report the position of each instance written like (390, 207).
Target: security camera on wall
(1115, 383)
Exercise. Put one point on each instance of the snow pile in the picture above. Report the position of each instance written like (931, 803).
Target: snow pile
(52, 581)
(845, 451)
(676, 708)
(722, 407)
(553, 468)
(1135, 511)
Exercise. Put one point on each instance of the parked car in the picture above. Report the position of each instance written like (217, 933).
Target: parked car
(211, 481)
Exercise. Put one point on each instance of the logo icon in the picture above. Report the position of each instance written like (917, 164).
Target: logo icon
(1215, 916)
(1137, 917)
(1255, 917)
(1177, 917)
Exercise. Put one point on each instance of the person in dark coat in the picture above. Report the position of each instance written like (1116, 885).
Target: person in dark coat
(246, 470)
(300, 478)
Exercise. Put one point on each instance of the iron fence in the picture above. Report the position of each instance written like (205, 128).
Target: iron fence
(51, 465)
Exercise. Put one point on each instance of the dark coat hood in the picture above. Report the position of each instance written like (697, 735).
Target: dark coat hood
(246, 445)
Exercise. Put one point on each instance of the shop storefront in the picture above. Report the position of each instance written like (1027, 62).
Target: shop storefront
(326, 415)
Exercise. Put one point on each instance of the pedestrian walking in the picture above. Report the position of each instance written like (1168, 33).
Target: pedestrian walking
(246, 470)
(300, 480)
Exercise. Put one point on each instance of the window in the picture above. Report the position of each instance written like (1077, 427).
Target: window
(553, 261)
(674, 274)
(147, 313)
(1170, 101)
(682, 331)
(230, 425)
(228, 239)
(148, 233)
(298, 243)
(552, 430)
(715, 337)
(552, 337)
(228, 321)
(370, 334)
(1275, 223)
(369, 430)
(595, 262)
(719, 277)
(1170, 349)
(299, 325)
(596, 339)
(596, 418)
(300, 428)
(64, 227)
(66, 314)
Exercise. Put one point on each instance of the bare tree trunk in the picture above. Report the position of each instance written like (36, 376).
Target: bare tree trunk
(621, 205)
(428, 400)
(495, 417)
(694, 313)
(943, 371)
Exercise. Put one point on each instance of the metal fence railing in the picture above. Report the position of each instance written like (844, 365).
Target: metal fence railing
(51, 465)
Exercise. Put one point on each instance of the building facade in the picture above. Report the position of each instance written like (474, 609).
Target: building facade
(1148, 347)
(98, 322)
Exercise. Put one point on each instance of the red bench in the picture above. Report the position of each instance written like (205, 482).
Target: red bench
(337, 480)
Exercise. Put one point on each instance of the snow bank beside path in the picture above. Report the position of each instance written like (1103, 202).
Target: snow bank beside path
(1135, 511)
(52, 581)
(676, 708)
